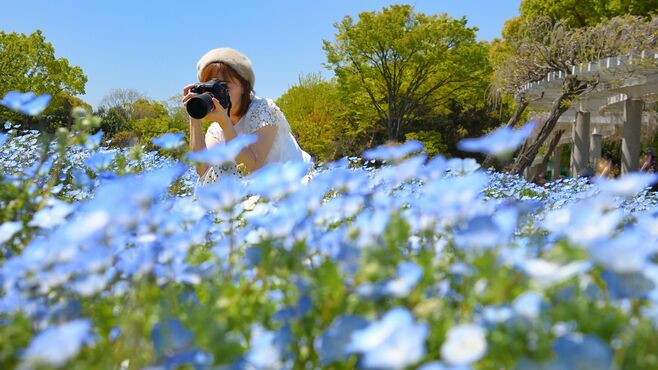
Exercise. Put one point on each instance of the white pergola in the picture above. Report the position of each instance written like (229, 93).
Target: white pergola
(624, 99)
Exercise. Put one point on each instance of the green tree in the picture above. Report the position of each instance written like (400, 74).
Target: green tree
(432, 141)
(58, 112)
(113, 120)
(313, 108)
(404, 61)
(145, 108)
(582, 13)
(128, 117)
(28, 63)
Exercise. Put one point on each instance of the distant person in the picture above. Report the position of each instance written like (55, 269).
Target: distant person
(650, 162)
(650, 166)
(605, 167)
(541, 179)
(246, 114)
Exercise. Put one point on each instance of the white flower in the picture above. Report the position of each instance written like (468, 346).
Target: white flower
(528, 305)
(546, 273)
(465, 344)
(8, 229)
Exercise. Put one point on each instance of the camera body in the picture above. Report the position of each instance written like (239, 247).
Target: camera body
(200, 105)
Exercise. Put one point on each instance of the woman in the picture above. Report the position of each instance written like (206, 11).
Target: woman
(248, 114)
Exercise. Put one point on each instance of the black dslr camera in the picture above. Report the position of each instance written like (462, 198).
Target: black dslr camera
(200, 105)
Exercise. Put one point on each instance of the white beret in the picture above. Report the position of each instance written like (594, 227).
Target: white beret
(235, 59)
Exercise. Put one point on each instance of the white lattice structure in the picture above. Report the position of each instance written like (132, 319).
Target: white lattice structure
(624, 101)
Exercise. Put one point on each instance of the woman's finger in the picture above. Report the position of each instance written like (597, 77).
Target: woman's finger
(218, 106)
(187, 88)
(188, 96)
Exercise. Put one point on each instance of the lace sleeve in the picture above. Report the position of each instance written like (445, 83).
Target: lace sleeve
(263, 114)
(214, 135)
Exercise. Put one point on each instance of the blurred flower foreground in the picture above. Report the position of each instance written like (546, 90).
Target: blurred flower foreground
(114, 259)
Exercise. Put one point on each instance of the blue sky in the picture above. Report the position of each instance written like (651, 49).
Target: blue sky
(153, 46)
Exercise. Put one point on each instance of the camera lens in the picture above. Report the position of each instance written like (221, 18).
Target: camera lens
(199, 106)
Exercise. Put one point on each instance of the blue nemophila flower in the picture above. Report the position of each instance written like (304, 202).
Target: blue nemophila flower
(528, 305)
(449, 197)
(500, 142)
(461, 166)
(394, 342)
(584, 222)
(57, 344)
(93, 141)
(484, 232)
(465, 344)
(648, 222)
(114, 334)
(100, 160)
(437, 365)
(277, 179)
(125, 198)
(393, 152)
(294, 312)
(401, 172)
(52, 215)
(26, 103)
(169, 141)
(92, 283)
(628, 185)
(627, 285)
(578, 351)
(434, 169)
(3, 139)
(624, 253)
(331, 345)
(222, 195)
(8, 229)
(170, 336)
(222, 153)
(409, 275)
(497, 315)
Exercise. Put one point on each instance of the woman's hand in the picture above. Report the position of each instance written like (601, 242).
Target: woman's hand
(187, 95)
(219, 114)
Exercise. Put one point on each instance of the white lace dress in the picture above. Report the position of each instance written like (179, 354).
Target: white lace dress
(261, 112)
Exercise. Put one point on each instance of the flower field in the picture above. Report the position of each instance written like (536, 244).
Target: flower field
(114, 259)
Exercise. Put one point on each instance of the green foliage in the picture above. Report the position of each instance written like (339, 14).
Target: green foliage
(581, 13)
(28, 63)
(58, 113)
(432, 140)
(402, 62)
(313, 108)
(126, 121)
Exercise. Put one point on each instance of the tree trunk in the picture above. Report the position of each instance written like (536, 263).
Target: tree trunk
(549, 152)
(528, 153)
